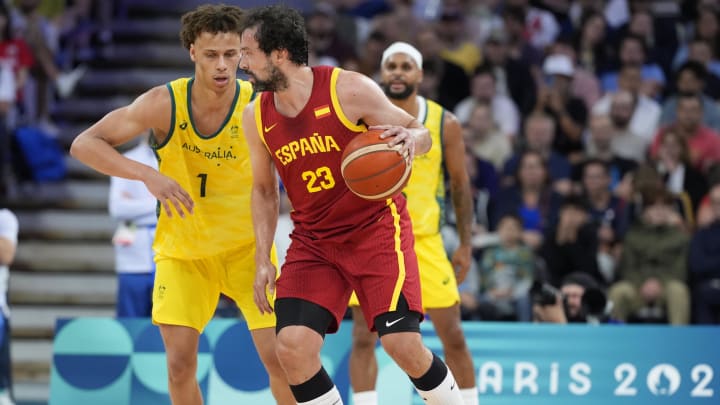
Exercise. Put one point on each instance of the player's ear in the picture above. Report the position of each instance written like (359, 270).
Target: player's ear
(279, 54)
(192, 52)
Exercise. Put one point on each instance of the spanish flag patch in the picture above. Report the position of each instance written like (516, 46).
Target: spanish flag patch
(322, 111)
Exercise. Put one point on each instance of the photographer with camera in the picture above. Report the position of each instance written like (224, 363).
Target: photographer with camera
(579, 300)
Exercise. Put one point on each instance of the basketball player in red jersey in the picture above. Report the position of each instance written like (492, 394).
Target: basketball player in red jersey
(299, 125)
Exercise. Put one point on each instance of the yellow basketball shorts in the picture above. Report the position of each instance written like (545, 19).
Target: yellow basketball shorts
(186, 292)
(437, 276)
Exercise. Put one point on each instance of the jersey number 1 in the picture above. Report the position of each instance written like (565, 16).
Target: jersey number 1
(203, 182)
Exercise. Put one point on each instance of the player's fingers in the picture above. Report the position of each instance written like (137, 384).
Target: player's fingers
(271, 286)
(260, 300)
(178, 207)
(186, 200)
(168, 211)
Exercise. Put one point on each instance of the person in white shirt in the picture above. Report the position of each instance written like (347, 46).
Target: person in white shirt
(8, 243)
(134, 207)
(646, 112)
(505, 114)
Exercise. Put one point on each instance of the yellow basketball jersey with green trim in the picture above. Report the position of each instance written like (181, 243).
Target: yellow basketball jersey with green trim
(215, 170)
(425, 190)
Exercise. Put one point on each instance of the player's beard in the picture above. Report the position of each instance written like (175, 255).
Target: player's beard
(276, 80)
(409, 89)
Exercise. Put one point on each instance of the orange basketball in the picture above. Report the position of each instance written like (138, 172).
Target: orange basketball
(372, 169)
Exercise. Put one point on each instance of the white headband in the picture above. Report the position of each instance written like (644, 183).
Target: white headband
(403, 47)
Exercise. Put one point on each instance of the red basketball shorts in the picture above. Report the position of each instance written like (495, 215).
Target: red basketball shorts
(377, 261)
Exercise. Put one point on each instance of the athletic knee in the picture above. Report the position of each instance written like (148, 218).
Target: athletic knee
(297, 344)
(454, 340)
(181, 367)
(362, 338)
(403, 345)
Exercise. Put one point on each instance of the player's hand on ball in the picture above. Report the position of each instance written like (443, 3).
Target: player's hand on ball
(264, 284)
(168, 191)
(398, 135)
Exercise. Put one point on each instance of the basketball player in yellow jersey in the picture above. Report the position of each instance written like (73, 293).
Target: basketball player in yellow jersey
(204, 240)
(401, 72)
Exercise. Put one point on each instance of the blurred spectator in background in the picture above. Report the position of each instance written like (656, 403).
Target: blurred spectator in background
(690, 79)
(8, 245)
(571, 244)
(681, 178)
(33, 29)
(484, 138)
(483, 18)
(517, 41)
(15, 55)
(644, 111)
(15, 61)
(578, 308)
(370, 54)
(505, 114)
(324, 37)
(585, 84)
(608, 212)
(653, 266)
(703, 142)
(541, 27)
(484, 186)
(705, 215)
(629, 144)
(457, 47)
(604, 144)
(506, 273)
(134, 207)
(512, 77)
(579, 300)
(593, 49)
(701, 52)
(452, 83)
(633, 52)
(531, 197)
(704, 266)
(555, 99)
(538, 137)
(705, 27)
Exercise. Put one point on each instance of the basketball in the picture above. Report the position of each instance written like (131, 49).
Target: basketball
(372, 169)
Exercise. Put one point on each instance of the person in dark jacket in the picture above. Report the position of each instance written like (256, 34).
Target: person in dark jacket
(704, 266)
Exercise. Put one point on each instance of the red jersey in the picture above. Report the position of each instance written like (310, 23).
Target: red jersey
(17, 54)
(307, 151)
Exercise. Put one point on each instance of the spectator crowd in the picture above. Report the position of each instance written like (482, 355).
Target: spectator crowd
(592, 143)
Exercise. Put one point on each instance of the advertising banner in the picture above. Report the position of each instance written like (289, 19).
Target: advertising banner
(121, 361)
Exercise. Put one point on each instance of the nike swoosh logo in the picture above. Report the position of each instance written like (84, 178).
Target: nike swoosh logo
(268, 129)
(389, 324)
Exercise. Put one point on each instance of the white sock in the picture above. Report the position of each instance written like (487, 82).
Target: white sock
(331, 397)
(365, 398)
(447, 393)
(470, 396)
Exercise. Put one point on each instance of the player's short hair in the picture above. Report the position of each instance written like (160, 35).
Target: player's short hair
(279, 28)
(212, 18)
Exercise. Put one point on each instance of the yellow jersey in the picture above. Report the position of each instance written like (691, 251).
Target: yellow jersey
(425, 190)
(215, 170)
